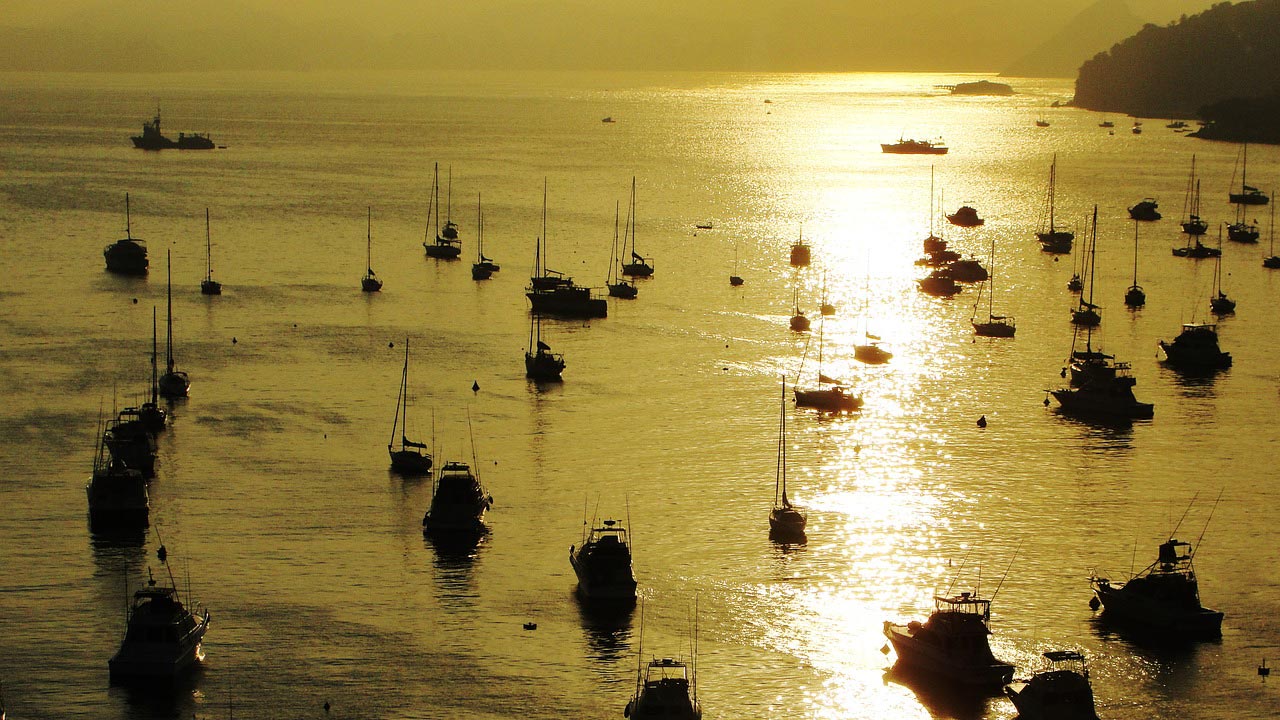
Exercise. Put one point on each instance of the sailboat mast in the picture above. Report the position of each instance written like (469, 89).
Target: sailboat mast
(781, 470)
(368, 234)
(168, 337)
(614, 258)
(128, 225)
(991, 282)
(544, 218)
(208, 248)
(479, 231)
(448, 213)
(1053, 181)
(931, 171)
(633, 216)
(1135, 252)
(1093, 254)
(155, 382)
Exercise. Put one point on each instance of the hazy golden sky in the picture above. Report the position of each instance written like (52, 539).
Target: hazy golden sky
(578, 34)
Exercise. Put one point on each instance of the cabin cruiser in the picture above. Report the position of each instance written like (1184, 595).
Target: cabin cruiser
(1196, 348)
(952, 642)
(458, 503)
(603, 564)
(1059, 692)
(1164, 598)
(162, 639)
(667, 691)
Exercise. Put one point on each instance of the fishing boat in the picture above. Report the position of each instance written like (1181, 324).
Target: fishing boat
(965, 216)
(800, 253)
(1041, 122)
(1060, 691)
(370, 282)
(117, 493)
(208, 286)
(539, 362)
(1105, 389)
(998, 326)
(939, 283)
(952, 643)
(1147, 210)
(1106, 123)
(830, 395)
(1053, 240)
(550, 292)
(130, 441)
(1219, 303)
(1195, 349)
(1272, 260)
(1191, 223)
(914, 147)
(602, 562)
(1086, 312)
(483, 268)
(1248, 195)
(786, 521)
(666, 688)
(619, 287)
(968, 270)
(127, 256)
(152, 139)
(1135, 297)
(458, 502)
(162, 638)
(639, 266)
(1163, 599)
(408, 458)
(173, 383)
(445, 245)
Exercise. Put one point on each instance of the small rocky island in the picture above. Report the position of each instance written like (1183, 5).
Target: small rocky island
(981, 87)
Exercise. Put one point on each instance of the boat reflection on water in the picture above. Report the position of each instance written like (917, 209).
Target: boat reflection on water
(608, 630)
(942, 700)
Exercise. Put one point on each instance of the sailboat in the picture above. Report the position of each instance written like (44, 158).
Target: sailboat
(1219, 303)
(832, 399)
(370, 281)
(639, 266)
(1272, 260)
(1001, 326)
(173, 383)
(446, 245)
(410, 458)
(1191, 222)
(539, 362)
(552, 293)
(1086, 313)
(619, 286)
(826, 308)
(1248, 195)
(483, 268)
(208, 286)
(1134, 297)
(1051, 239)
(799, 322)
(127, 256)
(786, 521)
(869, 351)
(735, 279)
(1242, 231)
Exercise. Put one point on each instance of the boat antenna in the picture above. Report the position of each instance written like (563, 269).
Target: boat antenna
(434, 454)
(1206, 522)
(694, 661)
(584, 518)
(640, 653)
(1006, 571)
(1184, 515)
(630, 539)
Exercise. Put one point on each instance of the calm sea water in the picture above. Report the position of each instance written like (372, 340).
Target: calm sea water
(273, 494)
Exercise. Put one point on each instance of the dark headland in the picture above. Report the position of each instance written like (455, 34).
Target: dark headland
(1221, 66)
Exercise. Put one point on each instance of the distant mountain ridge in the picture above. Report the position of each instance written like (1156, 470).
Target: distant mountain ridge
(1226, 52)
(1095, 29)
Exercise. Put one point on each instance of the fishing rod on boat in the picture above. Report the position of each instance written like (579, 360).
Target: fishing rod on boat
(1006, 571)
(1206, 522)
(1184, 515)
(955, 577)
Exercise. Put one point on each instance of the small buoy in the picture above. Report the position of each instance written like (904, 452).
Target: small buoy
(234, 340)
(982, 421)
(326, 436)
(1046, 402)
(162, 553)
(326, 706)
(531, 626)
(1263, 670)
(1094, 603)
(1062, 373)
(135, 301)
(390, 344)
(475, 386)
(884, 649)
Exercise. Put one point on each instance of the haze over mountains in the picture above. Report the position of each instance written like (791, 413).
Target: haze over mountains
(1051, 37)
